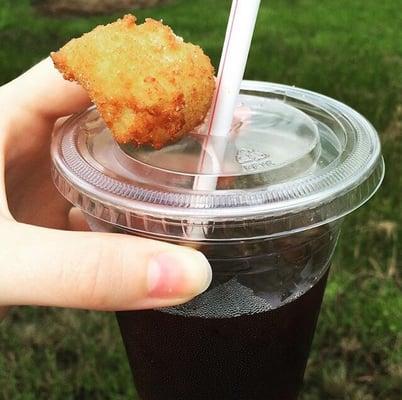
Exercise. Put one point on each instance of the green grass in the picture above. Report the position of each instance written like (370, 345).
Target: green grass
(350, 50)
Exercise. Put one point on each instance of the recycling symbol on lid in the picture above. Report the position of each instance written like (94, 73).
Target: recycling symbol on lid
(248, 156)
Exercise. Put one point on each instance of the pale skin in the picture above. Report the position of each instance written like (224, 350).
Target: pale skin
(47, 255)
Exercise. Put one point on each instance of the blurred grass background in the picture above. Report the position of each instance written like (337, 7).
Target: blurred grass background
(350, 50)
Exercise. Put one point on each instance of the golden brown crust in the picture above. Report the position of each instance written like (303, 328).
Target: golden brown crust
(149, 86)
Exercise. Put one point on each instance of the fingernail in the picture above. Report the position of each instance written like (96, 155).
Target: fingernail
(178, 274)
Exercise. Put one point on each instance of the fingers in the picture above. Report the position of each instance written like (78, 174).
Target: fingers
(96, 271)
(44, 92)
(76, 220)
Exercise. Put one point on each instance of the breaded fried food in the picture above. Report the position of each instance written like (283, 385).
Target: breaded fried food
(149, 86)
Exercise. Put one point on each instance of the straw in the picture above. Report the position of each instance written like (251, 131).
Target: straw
(239, 33)
(233, 62)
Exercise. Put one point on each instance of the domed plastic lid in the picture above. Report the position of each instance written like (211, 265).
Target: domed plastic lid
(293, 160)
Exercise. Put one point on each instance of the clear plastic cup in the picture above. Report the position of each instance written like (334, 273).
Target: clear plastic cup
(294, 165)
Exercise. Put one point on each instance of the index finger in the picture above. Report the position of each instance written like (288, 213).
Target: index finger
(43, 91)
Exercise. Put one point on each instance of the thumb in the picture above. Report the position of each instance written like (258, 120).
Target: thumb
(97, 271)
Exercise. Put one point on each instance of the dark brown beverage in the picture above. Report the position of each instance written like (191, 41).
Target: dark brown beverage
(249, 357)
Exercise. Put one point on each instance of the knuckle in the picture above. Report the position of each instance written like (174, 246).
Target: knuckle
(97, 279)
(102, 278)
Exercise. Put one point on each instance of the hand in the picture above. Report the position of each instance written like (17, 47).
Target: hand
(45, 258)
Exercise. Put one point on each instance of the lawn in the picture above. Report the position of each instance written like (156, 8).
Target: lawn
(350, 50)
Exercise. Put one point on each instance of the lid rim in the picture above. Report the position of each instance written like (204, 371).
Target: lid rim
(179, 212)
(194, 222)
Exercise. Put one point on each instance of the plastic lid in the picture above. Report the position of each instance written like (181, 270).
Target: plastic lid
(294, 159)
